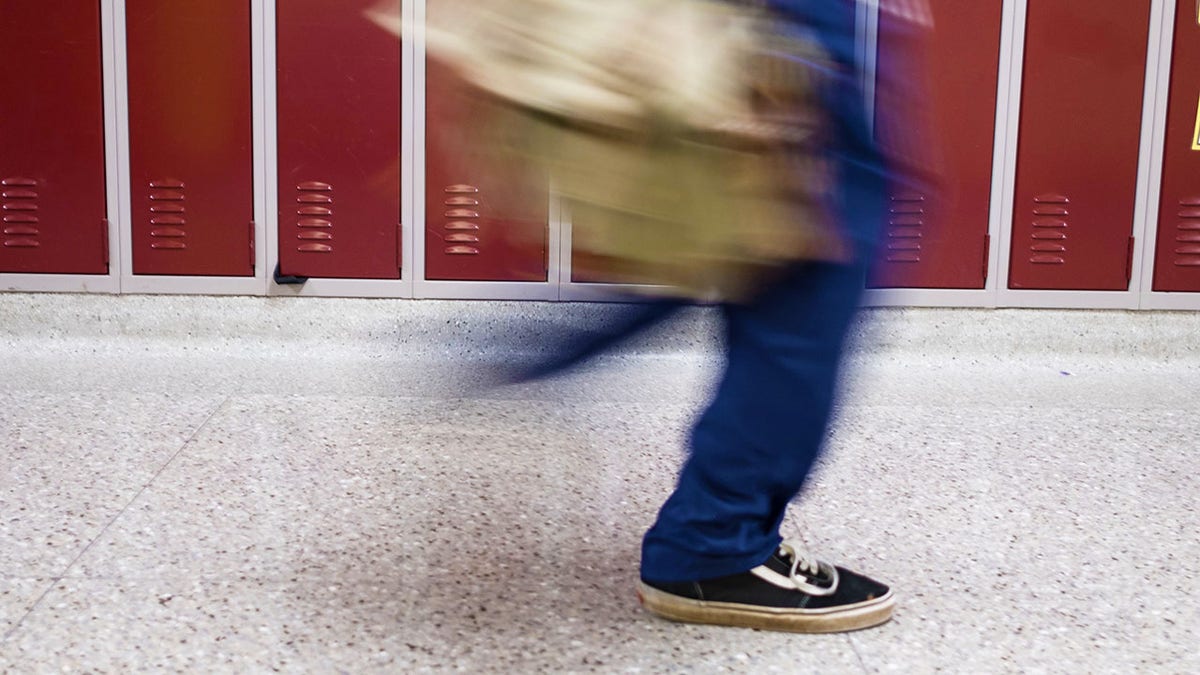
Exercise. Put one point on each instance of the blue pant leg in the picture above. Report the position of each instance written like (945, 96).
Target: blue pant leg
(756, 443)
(754, 446)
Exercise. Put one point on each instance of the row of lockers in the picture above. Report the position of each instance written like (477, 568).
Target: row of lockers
(339, 124)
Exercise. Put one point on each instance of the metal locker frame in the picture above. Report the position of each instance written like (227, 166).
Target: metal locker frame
(508, 243)
(91, 283)
(238, 251)
(1127, 299)
(1005, 134)
(945, 244)
(153, 284)
(1152, 299)
(417, 234)
(358, 288)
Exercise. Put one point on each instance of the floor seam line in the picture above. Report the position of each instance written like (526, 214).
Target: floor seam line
(857, 653)
(55, 578)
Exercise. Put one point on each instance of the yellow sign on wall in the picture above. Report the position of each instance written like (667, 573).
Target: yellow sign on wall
(1196, 135)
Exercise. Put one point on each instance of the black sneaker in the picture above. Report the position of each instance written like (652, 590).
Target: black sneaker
(789, 592)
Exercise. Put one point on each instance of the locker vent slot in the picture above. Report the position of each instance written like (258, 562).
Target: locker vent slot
(1187, 233)
(462, 219)
(18, 204)
(168, 231)
(906, 228)
(315, 223)
(1050, 225)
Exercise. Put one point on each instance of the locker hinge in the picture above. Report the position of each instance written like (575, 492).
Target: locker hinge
(252, 260)
(1129, 262)
(987, 255)
(104, 241)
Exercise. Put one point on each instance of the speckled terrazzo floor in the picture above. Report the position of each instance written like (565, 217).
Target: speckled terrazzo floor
(248, 485)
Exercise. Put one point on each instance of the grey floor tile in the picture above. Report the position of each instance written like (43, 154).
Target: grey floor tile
(276, 484)
(354, 347)
(251, 369)
(401, 532)
(364, 500)
(1111, 385)
(73, 461)
(1020, 539)
(17, 597)
(383, 624)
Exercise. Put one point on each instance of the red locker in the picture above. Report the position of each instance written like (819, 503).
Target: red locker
(1177, 259)
(486, 218)
(339, 141)
(52, 187)
(938, 237)
(190, 137)
(1081, 121)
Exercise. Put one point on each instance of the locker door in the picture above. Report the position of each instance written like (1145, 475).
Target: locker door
(486, 218)
(190, 137)
(1177, 259)
(1077, 162)
(938, 238)
(339, 141)
(52, 189)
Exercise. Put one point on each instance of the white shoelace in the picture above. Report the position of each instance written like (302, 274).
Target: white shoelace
(805, 566)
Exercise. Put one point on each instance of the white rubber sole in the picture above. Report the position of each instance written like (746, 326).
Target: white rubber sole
(831, 620)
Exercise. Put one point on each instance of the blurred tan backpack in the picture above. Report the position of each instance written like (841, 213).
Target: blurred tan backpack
(684, 136)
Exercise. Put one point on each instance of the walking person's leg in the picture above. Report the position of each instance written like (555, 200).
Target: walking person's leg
(755, 444)
(715, 554)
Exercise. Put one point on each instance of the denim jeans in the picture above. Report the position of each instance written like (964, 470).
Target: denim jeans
(755, 445)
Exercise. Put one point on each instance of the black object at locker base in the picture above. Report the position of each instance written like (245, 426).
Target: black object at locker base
(286, 280)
